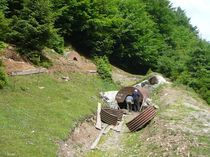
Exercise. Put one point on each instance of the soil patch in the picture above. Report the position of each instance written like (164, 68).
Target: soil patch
(70, 62)
(13, 61)
(80, 139)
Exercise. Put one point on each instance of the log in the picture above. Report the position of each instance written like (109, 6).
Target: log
(92, 71)
(98, 117)
(107, 129)
(93, 146)
(28, 72)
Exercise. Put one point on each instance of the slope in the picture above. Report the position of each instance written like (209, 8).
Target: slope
(181, 128)
(38, 111)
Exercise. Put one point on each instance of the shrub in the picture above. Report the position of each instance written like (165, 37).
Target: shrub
(3, 78)
(103, 68)
(2, 45)
(37, 58)
(4, 26)
(56, 42)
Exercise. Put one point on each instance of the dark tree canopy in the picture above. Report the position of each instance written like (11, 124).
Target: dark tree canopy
(136, 35)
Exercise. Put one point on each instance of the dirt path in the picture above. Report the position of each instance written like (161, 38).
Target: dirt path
(81, 139)
(180, 128)
(112, 143)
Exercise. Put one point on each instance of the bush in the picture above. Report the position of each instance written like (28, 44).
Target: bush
(57, 43)
(103, 68)
(3, 78)
(1, 63)
(4, 26)
(2, 45)
(37, 58)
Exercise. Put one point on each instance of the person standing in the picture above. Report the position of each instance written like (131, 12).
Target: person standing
(136, 97)
(129, 102)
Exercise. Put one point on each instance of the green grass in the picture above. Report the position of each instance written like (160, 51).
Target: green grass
(131, 144)
(33, 121)
(203, 148)
(97, 153)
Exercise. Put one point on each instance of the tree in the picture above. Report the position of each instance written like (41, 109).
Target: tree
(4, 26)
(14, 8)
(33, 29)
(199, 69)
(137, 40)
(3, 5)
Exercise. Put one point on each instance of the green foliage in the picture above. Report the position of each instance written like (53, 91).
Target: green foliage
(199, 69)
(56, 42)
(14, 8)
(165, 65)
(39, 59)
(135, 38)
(4, 26)
(33, 29)
(3, 5)
(3, 77)
(2, 46)
(136, 35)
(104, 68)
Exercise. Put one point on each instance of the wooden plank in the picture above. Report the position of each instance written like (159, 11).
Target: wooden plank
(93, 146)
(107, 129)
(28, 72)
(92, 71)
(98, 117)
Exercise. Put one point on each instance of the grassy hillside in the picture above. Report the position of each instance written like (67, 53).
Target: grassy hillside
(38, 111)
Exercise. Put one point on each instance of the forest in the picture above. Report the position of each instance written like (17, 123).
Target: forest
(135, 35)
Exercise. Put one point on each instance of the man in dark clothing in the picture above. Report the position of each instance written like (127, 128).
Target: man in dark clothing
(136, 97)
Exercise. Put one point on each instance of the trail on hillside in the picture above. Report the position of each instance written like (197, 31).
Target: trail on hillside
(81, 139)
(180, 128)
(112, 143)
